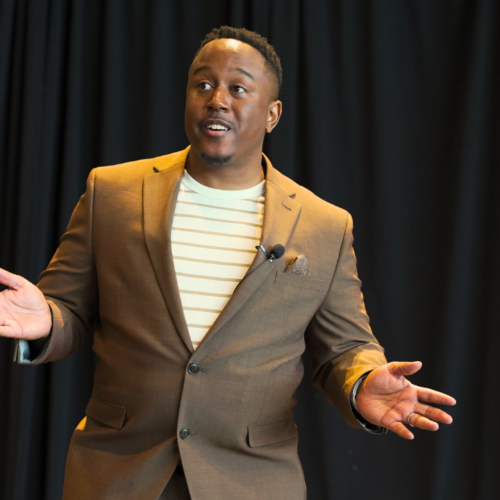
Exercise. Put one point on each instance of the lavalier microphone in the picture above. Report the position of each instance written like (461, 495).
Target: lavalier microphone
(276, 253)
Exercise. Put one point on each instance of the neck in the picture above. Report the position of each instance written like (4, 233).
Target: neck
(233, 176)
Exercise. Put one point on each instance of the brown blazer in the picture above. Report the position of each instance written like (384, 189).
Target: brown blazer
(114, 273)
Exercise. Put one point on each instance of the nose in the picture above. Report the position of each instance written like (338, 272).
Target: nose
(219, 100)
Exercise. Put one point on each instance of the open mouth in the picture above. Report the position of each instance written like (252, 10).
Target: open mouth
(216, 128)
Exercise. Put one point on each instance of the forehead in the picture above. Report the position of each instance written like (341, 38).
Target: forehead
(228, 54)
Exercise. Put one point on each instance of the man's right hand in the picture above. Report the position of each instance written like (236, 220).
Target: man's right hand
(24, 312)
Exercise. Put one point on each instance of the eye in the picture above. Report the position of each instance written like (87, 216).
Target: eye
(204, 85)
(239, 89)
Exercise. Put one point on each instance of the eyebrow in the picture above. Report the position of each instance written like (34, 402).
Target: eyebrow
(206, 67)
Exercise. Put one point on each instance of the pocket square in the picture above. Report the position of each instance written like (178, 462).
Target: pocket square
(299, 266)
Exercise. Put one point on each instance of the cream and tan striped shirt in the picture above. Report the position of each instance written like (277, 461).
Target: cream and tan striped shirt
(214, 235)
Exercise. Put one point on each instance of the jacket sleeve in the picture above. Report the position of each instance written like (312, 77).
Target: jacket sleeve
(339, 337)
(70, 286)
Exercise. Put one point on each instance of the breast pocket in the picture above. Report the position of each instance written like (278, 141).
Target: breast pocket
(300, 297)
(298, 281)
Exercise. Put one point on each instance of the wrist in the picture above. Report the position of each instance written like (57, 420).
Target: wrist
(362, 386)
(357, 389)
(49, 322)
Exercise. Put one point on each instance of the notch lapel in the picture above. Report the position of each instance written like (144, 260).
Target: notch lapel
(159, 199)
(281, 213)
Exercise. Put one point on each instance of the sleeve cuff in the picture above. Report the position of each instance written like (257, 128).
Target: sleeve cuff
(371, 428)
(23, 352)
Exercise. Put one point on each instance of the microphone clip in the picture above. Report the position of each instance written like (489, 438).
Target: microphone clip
(261, 247)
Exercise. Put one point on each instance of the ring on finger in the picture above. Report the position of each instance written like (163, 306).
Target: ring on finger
(409, 417)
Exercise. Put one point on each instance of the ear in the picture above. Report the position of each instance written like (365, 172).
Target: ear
(273, 115)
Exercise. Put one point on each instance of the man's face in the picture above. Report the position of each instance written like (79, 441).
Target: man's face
(229, 103)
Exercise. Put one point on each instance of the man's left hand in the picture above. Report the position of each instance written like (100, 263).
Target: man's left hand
(387, 399)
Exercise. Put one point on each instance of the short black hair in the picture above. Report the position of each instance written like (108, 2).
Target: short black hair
(273, 63)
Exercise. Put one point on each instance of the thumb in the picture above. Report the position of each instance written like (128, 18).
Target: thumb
(11, 280)
(404, 368)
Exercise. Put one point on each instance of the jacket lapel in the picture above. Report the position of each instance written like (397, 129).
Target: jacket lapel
(159, 198)
(280, 217)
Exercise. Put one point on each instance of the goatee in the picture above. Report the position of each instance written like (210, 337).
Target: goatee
(215, 160)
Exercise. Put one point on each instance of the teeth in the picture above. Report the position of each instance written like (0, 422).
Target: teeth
(217, 127)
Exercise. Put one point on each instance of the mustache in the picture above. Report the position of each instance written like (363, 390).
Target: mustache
(218, 116)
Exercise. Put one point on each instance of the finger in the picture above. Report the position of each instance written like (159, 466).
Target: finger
(11, 280)
(404, 368)
(431, 396)
(9, 328)
(401, 430)
(433, 413)
(7, 331)
(422, 422)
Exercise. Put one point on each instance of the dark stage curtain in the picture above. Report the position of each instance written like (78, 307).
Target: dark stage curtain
(391, 110)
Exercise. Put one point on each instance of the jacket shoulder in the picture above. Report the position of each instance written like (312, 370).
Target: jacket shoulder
(129, 176)
(311, 204)
(136, 170)
(321, 206)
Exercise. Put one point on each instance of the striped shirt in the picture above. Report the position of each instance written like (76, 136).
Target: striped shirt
(214, 235)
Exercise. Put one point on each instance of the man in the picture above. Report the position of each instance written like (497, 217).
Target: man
(199, 330)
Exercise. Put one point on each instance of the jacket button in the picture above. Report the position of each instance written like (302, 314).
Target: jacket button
(193, 368)
(184, 433)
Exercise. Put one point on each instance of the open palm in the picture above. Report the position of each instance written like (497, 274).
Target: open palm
(24, 312)
(386, 398)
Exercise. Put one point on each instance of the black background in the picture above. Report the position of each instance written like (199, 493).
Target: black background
(391, 110)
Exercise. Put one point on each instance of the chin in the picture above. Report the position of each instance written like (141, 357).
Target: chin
(216, 159)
